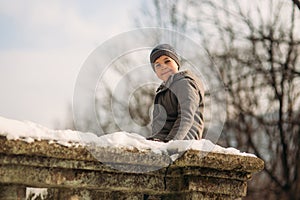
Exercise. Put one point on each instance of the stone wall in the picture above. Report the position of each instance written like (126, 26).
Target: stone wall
(74, 173)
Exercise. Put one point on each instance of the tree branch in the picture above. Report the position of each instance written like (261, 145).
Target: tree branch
(297, 3)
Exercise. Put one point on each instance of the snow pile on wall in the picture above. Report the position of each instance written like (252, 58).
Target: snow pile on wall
(29, 132)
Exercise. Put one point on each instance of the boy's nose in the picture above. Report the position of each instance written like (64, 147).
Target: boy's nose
(164, 66)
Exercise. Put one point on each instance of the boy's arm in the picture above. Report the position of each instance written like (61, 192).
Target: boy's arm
(188, 96)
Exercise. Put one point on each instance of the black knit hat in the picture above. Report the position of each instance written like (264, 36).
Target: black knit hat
(164, 49)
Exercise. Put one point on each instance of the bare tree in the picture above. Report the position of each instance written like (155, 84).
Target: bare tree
(262, 76)
(256, 47)
(127, 105)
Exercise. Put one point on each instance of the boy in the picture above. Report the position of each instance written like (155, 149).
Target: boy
(178, 103)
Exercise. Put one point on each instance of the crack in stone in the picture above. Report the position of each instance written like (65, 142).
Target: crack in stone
(165, 176)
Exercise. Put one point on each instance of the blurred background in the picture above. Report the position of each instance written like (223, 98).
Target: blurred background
(254, 45)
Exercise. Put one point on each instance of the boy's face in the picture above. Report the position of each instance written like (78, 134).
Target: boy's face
(164, 67)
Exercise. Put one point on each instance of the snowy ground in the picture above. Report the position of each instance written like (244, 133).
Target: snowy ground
(29, 132)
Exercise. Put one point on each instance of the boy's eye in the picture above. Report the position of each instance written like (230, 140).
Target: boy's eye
(157, 65)
(167, 61)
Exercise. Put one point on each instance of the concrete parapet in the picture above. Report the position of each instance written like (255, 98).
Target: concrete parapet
(74, 173)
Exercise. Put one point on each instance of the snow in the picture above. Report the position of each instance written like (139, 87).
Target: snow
(36, 193)
(30, 132)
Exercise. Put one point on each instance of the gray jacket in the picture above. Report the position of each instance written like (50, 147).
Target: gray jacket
(178, 108)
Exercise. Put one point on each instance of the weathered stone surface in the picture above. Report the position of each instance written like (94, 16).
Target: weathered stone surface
(120, 159)
(65, 178)
(44, 149)
(75, 173)
(220, 161)
(217, 185)
(208, 172)
(75, 194)
(12, 192)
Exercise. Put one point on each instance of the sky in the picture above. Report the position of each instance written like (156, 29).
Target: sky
(43, 45)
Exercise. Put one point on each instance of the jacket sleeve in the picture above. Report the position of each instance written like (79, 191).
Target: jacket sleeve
(188, 96)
